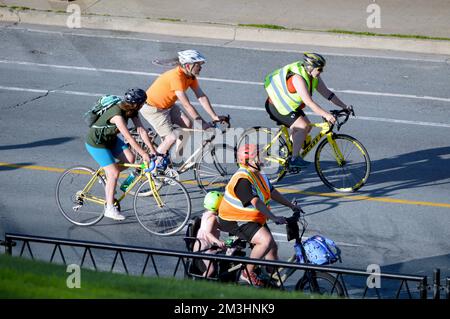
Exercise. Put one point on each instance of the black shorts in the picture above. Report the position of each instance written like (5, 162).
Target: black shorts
(244, 230)
(286, 120)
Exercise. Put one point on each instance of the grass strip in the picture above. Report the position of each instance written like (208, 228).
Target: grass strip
(23, 278)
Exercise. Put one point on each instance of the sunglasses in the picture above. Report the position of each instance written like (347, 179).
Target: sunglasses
(319, 69)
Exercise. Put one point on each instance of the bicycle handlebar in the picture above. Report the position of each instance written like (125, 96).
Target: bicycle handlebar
(226, 121)
(338, 114)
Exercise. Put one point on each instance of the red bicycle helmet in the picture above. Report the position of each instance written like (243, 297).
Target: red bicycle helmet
(246, 152)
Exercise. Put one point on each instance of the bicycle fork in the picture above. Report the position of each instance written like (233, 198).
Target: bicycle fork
(336, 151)
(155, 193)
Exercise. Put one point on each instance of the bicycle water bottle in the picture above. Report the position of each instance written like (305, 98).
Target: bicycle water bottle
(127, 182)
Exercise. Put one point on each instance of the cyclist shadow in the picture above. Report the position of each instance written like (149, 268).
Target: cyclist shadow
(47, 142)
(421, 266)
(423, 168)
(406, 171)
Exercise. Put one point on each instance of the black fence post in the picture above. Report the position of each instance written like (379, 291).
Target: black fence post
(437, 284)
(9, 244)
(423, 288)
(447, 288)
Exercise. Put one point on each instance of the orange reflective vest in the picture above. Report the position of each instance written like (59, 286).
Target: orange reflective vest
(231, 207)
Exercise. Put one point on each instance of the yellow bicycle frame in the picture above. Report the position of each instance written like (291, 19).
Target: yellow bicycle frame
(101, 201)
(324, 131)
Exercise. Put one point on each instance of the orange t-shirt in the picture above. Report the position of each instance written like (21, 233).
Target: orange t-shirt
(161, 93)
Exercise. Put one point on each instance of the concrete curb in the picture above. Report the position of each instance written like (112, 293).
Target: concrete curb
(229, 33)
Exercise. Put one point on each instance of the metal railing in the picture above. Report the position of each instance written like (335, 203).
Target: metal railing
(344, 276)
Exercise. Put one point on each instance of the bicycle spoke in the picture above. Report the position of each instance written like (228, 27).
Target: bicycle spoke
(215, 168)
(272, 147)
(173, 214)
(74, 206)
(354, 169)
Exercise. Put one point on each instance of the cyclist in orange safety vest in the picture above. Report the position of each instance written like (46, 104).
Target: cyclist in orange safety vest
(244, 209)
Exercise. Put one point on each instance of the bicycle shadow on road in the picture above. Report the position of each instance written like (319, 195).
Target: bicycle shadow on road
(430, 167)
(424, 168)
(47, 142)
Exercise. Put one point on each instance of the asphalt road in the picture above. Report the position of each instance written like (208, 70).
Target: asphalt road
(49, 77)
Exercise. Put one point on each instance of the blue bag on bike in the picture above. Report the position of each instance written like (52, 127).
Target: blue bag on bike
(321, 250)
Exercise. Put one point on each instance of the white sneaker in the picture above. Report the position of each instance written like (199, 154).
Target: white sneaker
(113, 213)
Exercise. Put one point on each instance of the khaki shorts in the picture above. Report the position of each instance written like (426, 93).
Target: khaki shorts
(162, 119)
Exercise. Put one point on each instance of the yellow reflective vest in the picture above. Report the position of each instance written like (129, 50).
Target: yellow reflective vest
(276, 87)
(231, 207)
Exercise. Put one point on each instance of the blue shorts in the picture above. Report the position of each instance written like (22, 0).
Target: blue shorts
(106, 156)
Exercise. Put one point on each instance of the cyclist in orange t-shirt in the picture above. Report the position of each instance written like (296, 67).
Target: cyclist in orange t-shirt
(162, 112)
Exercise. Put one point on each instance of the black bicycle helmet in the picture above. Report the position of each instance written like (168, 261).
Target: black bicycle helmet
(135, 96)
(314, 60)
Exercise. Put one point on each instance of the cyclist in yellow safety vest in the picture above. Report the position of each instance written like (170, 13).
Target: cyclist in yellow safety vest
(290, 88)
(244, 209)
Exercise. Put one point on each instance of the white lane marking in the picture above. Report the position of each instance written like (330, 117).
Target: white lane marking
(227, 44)
(152, 74)
(409, 96)
(386, 120)
(305, 237)
(90, 69)
(13, 88)
(227, 106)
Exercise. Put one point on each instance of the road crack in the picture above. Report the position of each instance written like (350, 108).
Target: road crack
(38, 97)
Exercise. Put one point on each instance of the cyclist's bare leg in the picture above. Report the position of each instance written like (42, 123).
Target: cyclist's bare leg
(112, 172)
(167, 143)
(272, 254)
(126, 157)
(299, 129)
(182, 120)
(112, 175)
(209, 265)
(263, 242)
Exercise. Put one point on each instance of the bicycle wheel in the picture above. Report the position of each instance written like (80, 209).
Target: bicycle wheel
(320, 283)
(215, 168)
(274, 156)
(73, 204)
(354, 170)
(172, 216)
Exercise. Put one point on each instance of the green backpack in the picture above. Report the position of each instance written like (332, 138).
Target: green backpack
(103, 104)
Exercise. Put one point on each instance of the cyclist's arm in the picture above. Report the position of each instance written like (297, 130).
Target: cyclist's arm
(122, 126)
(259, 205)
(278, 197)
(184, 100)
(204, 102)
(210, 228)
(143, 133)
(243, 190)
(302, 90)
(326, 93)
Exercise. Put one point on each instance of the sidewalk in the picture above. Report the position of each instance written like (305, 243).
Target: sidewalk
(227, 20)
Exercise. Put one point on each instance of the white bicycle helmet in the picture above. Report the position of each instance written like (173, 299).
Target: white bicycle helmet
(190, 56)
